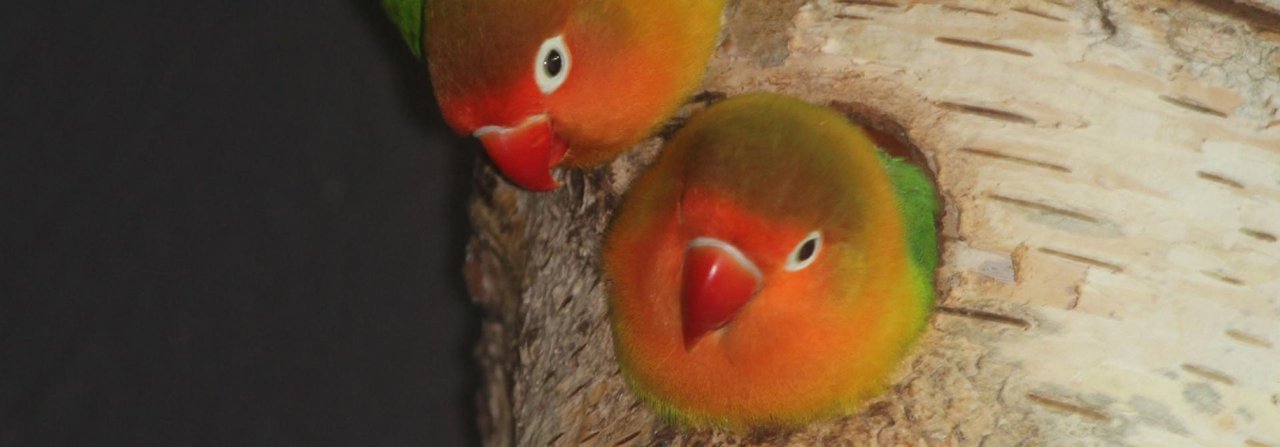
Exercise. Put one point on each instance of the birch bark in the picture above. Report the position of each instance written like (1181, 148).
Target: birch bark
(1111, 269)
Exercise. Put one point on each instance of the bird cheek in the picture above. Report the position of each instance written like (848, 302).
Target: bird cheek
(574, 114)
(599, 114)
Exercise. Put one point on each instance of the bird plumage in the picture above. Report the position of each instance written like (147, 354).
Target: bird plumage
(760, 175)
(622, 67)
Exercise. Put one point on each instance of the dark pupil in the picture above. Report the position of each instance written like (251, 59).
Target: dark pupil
(807, 250)
(553, 63)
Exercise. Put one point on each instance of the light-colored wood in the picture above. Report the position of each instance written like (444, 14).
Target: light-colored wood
(1265, 6)
(1111, 271)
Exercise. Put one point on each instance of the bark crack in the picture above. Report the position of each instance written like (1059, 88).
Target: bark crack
(1104, 19)
(1109, 28)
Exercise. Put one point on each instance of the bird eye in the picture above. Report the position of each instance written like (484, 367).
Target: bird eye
(551, 67)
(805, 252)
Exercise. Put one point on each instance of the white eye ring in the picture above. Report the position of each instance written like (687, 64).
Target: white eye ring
(805, 252)
(551, 66)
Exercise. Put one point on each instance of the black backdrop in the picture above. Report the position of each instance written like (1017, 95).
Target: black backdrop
(227, 223)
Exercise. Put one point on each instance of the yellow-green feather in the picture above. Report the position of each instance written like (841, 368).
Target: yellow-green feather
(407, 16)
(919, 207)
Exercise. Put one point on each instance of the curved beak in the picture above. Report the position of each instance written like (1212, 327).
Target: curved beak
(525, 153)
(718, 281)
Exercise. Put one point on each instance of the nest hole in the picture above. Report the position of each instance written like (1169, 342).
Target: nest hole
(891, 137)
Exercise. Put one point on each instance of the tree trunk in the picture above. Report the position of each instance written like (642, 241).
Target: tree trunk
(1110, 272)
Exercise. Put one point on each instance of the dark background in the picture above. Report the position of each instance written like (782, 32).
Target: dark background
(227, 223)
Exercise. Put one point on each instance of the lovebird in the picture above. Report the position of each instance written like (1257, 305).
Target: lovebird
(771, 268)
(544, 83)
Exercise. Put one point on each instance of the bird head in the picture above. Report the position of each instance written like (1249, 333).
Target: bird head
(545, 83)
(759, 271)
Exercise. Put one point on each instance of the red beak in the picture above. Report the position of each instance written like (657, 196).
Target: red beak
(525, 153)
(718, 281)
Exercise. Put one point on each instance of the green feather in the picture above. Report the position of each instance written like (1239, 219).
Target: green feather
(407, 15)
(919, 206)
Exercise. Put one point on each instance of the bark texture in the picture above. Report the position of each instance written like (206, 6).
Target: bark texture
(1111, 270)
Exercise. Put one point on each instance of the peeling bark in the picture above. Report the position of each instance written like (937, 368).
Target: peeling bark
(1111, 171)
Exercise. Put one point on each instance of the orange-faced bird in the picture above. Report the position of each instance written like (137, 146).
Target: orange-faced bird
(544, 83)
(771, 268)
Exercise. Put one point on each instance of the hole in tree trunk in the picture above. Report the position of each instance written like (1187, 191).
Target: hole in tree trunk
(891, 137)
